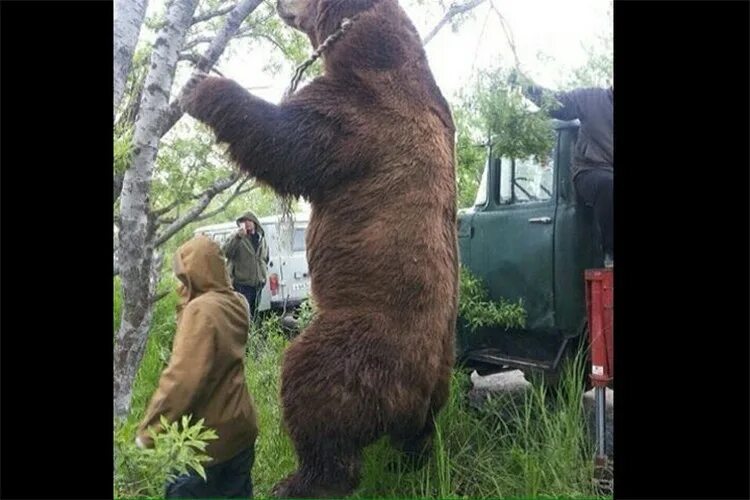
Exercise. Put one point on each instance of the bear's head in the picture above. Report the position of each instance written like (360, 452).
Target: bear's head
(299, 14)
(319, 18)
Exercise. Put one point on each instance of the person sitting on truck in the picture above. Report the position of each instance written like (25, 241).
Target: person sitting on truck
(593, 157)
(247, 259)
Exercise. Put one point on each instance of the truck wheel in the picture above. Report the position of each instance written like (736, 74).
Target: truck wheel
(290, 323)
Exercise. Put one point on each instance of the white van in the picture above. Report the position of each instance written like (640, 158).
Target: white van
(288, 281)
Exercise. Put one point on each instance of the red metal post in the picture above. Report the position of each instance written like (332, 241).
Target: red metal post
(600, 308)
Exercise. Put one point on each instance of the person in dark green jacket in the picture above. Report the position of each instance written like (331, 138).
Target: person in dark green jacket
(247, 259)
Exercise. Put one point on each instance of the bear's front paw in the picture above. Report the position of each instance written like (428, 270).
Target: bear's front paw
(189, 98)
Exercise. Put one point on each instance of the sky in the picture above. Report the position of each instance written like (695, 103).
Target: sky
(557, 28)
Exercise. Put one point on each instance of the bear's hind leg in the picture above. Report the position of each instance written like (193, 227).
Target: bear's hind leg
(417, 446)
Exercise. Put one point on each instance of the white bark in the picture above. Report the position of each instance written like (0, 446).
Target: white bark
(452, 12)
(205, 16)
(136, 232)
(194, 211)
(127, 360)
(234, 19)
(129, 16)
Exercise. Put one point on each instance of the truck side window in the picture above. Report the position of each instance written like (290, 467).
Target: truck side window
(533, 180)
(526, 180)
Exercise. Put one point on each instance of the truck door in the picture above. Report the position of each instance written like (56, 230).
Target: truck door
(511, 238)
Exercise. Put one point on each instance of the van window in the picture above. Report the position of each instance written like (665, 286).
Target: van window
(298, 245)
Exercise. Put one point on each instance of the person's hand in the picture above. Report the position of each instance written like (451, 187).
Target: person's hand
(241, 231)
(513, 77)
(517, 78)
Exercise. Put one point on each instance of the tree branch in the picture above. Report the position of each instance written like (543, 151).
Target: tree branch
(452, 12)
(163, 210)
(269, 38)
(235, 18)
(159, 296)
(189, 57)
(228, 201)
(197, 41)
(199, 18)
(171, 220)
(203, 200)
(508, 35)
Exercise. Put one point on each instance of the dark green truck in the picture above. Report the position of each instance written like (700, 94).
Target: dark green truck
(529, 237)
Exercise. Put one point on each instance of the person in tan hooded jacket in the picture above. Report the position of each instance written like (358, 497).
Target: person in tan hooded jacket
(205, 377)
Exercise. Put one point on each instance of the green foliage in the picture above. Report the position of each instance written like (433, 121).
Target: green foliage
(470, 159)
(500, 111)
(306, 312)
(494, 111)
(520, 445)
(178, 448)
(187, 164)
(275, 457)
(476, 308)
(123, 147)
(598, 70)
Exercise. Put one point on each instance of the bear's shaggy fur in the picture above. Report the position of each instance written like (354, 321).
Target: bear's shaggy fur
(371, 145)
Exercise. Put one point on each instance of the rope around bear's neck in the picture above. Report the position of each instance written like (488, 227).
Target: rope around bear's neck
(346, 23)
(286, 221)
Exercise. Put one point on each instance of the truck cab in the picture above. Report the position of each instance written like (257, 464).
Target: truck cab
(529, 237)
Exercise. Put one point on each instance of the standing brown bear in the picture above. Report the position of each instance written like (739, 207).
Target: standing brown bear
(370, 144)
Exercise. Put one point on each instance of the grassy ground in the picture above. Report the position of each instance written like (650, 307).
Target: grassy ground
(520, 448)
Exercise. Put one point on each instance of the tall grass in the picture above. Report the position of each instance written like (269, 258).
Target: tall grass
(524, 445)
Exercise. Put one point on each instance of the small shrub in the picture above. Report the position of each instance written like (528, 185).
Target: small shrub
(476, 308)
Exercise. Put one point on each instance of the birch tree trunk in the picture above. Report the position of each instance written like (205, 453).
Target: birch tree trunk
(135, 261)
(129, 16)
(212, 54)
(135, 256)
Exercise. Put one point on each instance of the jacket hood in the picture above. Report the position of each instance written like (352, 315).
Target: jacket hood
(199, 265)
(251, 216)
